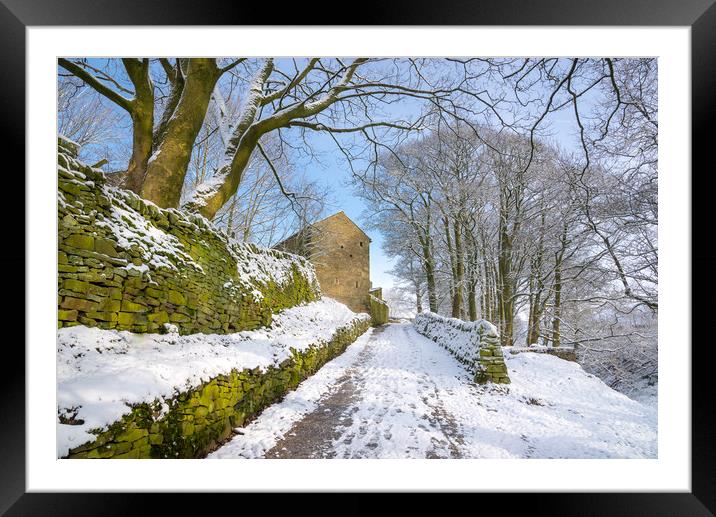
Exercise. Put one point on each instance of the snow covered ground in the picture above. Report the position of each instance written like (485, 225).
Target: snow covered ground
(396, 394)
(100, 372)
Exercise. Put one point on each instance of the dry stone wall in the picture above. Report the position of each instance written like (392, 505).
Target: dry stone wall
(194, 422)
(476, 344)
(566, 353)
(379, 310)
(124, 263)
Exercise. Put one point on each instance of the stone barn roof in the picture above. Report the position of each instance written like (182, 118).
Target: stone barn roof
(320, 222)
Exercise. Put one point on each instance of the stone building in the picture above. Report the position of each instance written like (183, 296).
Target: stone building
(340, 253)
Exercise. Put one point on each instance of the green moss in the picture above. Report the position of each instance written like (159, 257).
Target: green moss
(66, 315)
(81, 241)
(159, 318)
(176, 298)
(75, 285)
(110, 305)
(78, 304)
(154, 293)
(125, 318)
(379, 311)
(132, 434)
(105, 247)
(178, 317)
(128, 306)
(103, 316)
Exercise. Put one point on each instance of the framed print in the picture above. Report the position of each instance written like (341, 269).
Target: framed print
(420, 252)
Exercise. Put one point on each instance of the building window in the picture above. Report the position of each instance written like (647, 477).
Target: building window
(356, 284)
(361, 244)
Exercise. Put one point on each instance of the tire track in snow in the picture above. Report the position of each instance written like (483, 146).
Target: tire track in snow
(313, 436)
(385, 404)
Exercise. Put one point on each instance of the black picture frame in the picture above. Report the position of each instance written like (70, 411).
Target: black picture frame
(700, 15)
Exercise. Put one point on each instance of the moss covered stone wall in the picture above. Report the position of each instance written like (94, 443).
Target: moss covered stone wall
(195, 422)
(379, 310)
(124, 263)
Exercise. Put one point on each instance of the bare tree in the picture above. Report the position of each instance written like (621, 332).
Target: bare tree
(321, 95)
(88, 120)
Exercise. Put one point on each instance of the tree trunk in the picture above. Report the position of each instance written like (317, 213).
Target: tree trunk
(556, 336)
(415, 276)
(230, 221)
(168, 165)
(459, 273)
(453, 270)
(142, 122)
(212, 204)
(418, 300)
(533, 332)
(244, 140)
(557, 316)
(488, 285)
(505, 295)
(429, 266)
(173, 100)
(142, 115)
(536, 288)
(471, 301)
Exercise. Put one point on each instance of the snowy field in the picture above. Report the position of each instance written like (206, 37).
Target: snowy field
(100, 372)
(396, 394)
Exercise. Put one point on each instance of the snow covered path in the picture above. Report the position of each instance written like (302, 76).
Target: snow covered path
(396, 394)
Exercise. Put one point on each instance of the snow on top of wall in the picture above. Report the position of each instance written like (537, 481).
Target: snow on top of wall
(463, 338)
(101, 372)
(161, 249)
(263, 265)
(481, 325)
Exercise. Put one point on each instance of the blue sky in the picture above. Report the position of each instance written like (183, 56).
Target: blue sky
(335, 174)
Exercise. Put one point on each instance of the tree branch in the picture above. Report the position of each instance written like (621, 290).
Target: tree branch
(94, 83)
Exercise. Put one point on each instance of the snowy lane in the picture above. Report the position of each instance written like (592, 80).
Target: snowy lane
(396, 394)
(401, 413)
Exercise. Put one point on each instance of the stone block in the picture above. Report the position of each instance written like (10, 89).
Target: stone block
(105, 247)
(155, 293)
(101, 452)
(103, 316)
(77, 286)
(128, 306)
(78, 304)
(82, 241)
(67, 315)
(125, 318)
(159, 318)
(110, 305)
(132, 434)
(176, 298)
(177, 317)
